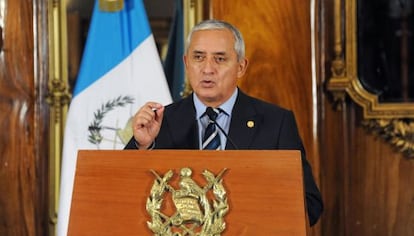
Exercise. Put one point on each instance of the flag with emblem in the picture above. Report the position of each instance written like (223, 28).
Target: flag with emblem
(120, 71)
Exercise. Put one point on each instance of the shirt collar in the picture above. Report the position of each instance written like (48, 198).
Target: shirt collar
(227, 106)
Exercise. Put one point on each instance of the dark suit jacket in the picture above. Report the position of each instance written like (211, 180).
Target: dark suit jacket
(274, 128)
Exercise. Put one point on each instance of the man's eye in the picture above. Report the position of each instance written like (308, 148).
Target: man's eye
(198, 57)
(220, 59)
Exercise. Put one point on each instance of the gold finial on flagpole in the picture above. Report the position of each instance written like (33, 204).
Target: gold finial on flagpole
(111, 5)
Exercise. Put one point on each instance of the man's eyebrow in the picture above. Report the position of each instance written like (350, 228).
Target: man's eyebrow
(214, 53)
(219, 53)
(198, 52)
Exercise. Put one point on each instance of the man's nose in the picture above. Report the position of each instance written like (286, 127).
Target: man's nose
(209, 65)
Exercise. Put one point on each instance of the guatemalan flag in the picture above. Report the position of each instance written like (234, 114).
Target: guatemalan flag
(119, 72)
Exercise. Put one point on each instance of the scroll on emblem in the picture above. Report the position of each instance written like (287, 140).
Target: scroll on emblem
(195, 213)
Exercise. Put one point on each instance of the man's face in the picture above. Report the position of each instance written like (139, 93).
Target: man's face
(212, 67)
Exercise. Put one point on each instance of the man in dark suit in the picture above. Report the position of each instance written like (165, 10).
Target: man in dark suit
(214, 61)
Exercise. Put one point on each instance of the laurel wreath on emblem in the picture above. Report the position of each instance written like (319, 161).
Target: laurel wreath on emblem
(194, 215)
(95, 127)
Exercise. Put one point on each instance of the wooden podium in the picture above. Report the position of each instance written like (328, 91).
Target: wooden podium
(264, 190)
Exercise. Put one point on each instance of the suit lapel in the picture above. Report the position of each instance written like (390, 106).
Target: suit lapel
(185, 134)
(244, 123)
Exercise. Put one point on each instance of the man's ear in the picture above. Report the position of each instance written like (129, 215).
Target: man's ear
(242, 67)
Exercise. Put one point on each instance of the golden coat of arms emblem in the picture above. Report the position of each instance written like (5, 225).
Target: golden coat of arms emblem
(199, 210)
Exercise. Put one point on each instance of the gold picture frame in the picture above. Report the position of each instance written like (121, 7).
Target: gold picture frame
(392, 121)
(345, 79)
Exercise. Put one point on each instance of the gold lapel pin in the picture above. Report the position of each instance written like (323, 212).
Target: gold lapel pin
(250, 124)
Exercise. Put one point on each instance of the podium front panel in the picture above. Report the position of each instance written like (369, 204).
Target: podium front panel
(264, 190)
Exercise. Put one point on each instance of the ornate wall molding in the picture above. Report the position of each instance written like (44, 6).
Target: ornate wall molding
(398, 132)
(58, 98)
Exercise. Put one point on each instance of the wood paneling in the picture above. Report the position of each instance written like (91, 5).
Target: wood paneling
(22, 175)
(380, 197)
(365, 182)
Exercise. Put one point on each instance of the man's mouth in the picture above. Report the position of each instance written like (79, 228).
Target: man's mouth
(207, 82)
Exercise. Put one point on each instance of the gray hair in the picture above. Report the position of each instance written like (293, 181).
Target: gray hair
(239, 46)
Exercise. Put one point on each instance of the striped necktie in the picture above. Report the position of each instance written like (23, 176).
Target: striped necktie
(211, 139)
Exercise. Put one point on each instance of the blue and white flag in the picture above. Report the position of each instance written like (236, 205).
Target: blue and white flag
(120, 71)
